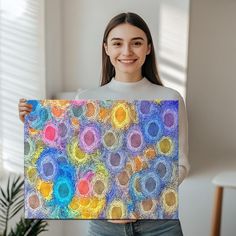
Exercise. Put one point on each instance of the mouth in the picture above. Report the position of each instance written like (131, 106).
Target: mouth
(127, 61)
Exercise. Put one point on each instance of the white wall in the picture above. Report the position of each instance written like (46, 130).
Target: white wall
(211, 77)
(53, 38)
(211, 101)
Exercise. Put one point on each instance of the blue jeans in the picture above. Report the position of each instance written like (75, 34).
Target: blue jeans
(138, 228)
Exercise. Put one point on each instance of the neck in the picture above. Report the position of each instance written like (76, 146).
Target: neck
(128, 77)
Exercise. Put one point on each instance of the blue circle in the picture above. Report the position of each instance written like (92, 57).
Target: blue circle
(34, 104)
(47, 165)
(150, 184)
(117, 165)
(165, 161)
(152, 130)
(63, 190)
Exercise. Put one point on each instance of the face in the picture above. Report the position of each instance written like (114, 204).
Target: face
(127, 46)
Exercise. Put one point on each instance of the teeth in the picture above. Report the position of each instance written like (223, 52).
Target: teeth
(127, 61)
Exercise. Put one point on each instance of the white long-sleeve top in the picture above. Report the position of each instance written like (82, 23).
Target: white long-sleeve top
(145, 90)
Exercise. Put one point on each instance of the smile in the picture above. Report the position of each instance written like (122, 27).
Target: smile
(127, 61)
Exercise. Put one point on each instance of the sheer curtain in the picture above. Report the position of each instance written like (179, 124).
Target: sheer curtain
(22, 73)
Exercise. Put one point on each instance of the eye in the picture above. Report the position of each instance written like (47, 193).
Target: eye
(116, 44)
(137, 43)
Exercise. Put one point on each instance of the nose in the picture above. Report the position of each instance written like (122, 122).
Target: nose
(126, 50)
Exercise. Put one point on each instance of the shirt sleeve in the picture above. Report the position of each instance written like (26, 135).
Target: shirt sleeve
(184, 165)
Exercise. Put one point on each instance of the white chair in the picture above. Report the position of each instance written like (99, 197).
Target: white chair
(221, 181)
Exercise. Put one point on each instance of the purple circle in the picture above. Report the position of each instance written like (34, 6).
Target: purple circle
(62, 130)
(48, 169)
(135, 140)
(145, 107)
(169, 119)
(115, 159)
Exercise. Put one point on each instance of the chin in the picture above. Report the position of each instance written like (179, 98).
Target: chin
(128, 71)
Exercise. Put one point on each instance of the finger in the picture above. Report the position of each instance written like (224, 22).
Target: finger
(25, 105)
(25, 109)
(23, 113)
(23, 100)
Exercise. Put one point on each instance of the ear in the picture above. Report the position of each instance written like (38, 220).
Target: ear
(106, 48)
(149, 49)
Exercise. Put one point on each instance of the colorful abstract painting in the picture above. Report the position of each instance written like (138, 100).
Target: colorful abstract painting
(101, 159)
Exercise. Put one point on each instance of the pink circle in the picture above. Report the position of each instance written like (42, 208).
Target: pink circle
(89, 138)
(50, 133)
(135, 140)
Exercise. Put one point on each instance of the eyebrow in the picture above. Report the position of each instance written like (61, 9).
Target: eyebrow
(131, 39)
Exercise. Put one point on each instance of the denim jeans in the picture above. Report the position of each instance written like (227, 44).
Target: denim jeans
(138, 228)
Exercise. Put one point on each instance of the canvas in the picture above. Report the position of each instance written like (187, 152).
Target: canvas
(101, 159)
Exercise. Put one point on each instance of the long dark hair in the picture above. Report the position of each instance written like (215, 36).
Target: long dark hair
(149, 68)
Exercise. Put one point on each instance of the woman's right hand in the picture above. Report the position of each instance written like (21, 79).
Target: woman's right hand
(24, 109)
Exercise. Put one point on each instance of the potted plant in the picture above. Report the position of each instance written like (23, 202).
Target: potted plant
(11, 203)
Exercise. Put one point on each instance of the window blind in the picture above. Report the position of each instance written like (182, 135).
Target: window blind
(22, 72)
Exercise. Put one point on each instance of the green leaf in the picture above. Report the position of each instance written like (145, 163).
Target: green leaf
(11, 201)
(30, 227)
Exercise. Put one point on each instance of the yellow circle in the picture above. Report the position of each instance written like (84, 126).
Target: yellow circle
(120, 116)
(32, 174)
(117, 210)
(169, 199)
(45, 188)
(76, 154)
(166, 146)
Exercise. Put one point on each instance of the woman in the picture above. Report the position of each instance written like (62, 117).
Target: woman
(129, 72)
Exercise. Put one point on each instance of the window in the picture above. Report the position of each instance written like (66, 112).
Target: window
(22, 72)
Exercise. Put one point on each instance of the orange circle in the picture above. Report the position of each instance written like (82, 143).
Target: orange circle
(90, 109)
(120, 114)
(34, 201)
